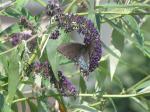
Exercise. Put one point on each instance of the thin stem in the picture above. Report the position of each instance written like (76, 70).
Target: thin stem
(70, 6)
(95, 104)
(117, 13)
(117, 95)
(123, 6)
(89, 95)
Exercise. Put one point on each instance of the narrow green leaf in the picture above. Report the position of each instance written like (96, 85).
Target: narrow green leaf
(91, 11)
(33, 107)
(1, 101)
(82, 85)
(85, 108)
(42, 105)
(113, 62)
(113, 104)
(143, 85)
(98, 20)
(20, 4)
(14, 107)
(55, 57)
(117, 40)
(117, 27)
(101, 73)
(13, 75)
(132, 24)
(52, 54)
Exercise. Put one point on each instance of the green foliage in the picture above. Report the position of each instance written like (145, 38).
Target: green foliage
(120, 83)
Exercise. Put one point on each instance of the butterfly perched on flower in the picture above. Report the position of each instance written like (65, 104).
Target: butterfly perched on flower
(77, 53)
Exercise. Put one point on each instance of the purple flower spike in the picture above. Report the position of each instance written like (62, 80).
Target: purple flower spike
(65, 86)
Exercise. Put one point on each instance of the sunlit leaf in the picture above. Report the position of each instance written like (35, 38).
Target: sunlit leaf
(143, 85)
(113, 62)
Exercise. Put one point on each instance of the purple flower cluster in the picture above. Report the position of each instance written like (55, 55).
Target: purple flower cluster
(85, 27)
(55, 34)
(39, 67)
(53, 8)
(65, 86)
(17, 37)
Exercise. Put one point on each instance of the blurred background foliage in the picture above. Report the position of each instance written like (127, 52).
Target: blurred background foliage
(120, 84)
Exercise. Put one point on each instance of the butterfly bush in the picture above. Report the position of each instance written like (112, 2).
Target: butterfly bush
(63, 85)
(84, 26)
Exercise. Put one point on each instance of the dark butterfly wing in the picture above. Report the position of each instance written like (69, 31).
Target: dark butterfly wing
(72, 50)
(78, 53)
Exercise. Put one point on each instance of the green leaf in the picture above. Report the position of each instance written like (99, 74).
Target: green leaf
(14, 107)
(82, 85)
(113, 104)
(146, 33)
(13, 75)
(42, 105)
(143, 85)
(117, 40)
(113, 61)
(54, 57)
(6, 108)
(1, 101)
(91, 11)
(132, 24)
(85, 108)
(4, 25)
(101, 73)
(32, 106)
(20, 4)
(98, 20)
(117, 27)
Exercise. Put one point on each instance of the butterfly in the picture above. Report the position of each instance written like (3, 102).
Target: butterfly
(77, 53)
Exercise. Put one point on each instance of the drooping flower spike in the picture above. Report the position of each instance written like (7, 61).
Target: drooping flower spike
(65, 86)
